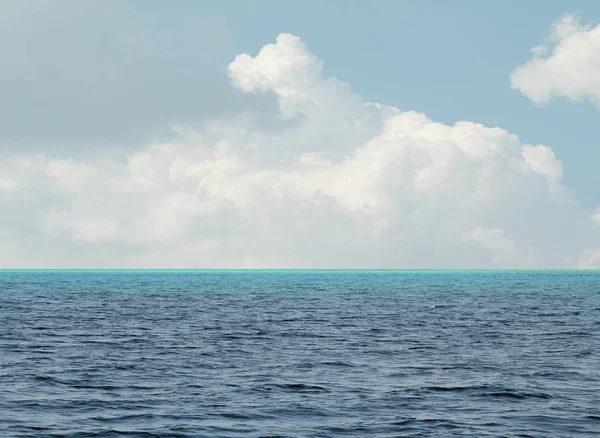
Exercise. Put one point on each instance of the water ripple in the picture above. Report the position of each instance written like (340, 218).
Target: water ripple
(299, 354)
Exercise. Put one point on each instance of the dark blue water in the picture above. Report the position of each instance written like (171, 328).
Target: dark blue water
(299, 354)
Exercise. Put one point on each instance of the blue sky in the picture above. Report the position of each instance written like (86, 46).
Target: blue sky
(116, 113)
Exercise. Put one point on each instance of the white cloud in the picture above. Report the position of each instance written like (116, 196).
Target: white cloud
(504, 249)
(541, 159)
(342, 183)
(569, 68)
(590, 259)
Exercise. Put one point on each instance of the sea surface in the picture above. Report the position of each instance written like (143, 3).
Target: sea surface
(299, 354)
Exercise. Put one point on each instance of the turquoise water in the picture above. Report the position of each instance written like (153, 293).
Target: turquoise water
(299, 353)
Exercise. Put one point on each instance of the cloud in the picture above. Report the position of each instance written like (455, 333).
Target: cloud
(337, 182)
(590, 259)
(96, 74)
(567, 67)
(504, 249)
(541, 159)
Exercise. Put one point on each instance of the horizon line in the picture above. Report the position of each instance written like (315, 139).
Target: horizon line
(297, 269)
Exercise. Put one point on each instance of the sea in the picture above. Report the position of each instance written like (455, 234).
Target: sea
(300, 354)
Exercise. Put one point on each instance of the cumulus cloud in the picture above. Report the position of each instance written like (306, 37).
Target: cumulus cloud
(566, 67)
(542, 160)
(340, 182)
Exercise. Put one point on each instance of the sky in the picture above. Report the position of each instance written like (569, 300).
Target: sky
(270, 134)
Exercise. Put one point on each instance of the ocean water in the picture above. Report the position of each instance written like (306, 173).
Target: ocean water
(299, 354)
